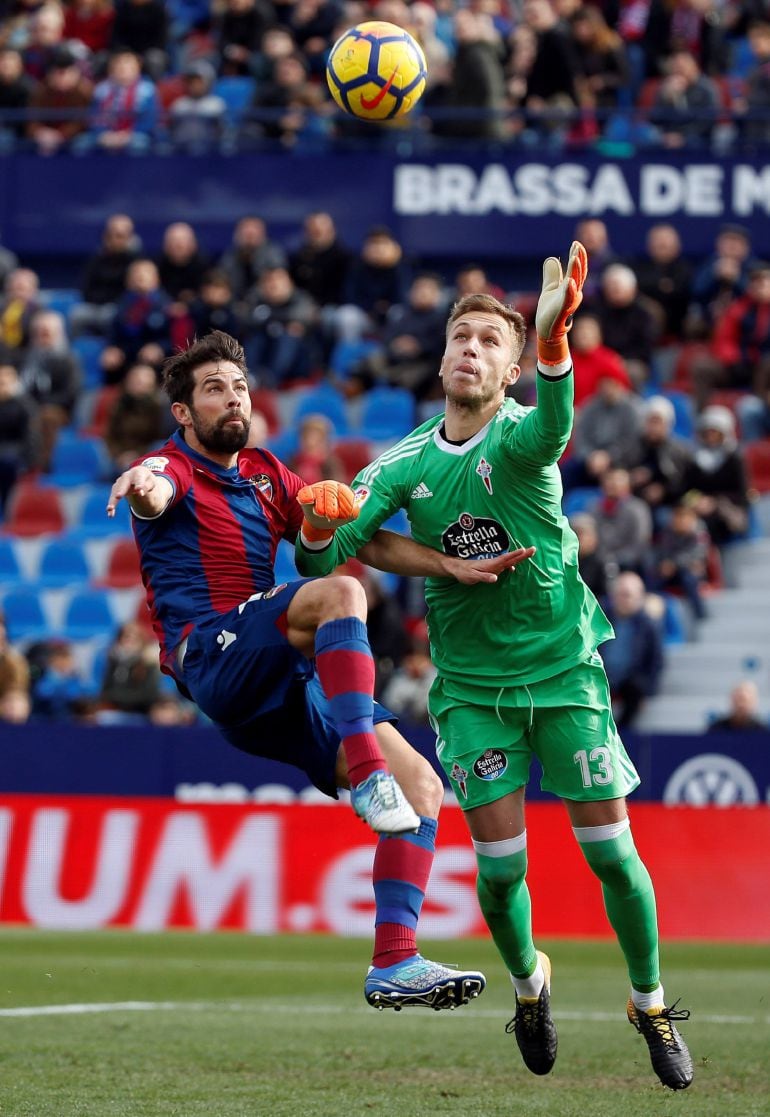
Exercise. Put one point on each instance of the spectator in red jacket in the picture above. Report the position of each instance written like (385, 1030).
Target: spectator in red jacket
(592, 360)
(740, 349)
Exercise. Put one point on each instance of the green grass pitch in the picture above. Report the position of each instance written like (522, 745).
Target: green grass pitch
(230, 1025)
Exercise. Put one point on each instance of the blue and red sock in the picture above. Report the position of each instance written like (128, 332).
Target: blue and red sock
(402, 865)
(346, 672)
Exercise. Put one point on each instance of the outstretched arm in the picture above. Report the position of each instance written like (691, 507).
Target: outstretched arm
(398, 554)
(146, 492)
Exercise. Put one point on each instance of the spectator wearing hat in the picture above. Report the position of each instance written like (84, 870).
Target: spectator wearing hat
(197, 118)
(714, 481)
(59, 103)
(658, 467)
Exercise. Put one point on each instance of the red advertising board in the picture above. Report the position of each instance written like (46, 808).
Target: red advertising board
(86, 863)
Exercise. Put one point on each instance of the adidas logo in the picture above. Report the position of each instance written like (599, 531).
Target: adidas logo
(421, 492)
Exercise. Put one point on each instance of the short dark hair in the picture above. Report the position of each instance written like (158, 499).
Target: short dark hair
(179, 369)
(488, 304)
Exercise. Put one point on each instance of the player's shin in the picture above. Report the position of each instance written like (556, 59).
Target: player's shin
(402, 865)
(346, 671)
(629, 897)
(505, 903)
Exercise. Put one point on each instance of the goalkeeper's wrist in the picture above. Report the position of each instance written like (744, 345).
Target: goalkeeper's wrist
(313, 536)
(553, 352)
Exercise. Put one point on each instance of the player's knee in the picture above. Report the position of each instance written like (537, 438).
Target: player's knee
(616, 863)
(424, 789)
(343, 597)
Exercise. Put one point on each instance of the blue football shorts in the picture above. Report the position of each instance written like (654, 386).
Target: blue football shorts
(261, 693)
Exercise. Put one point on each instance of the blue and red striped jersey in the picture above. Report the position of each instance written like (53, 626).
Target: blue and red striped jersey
(214, 545)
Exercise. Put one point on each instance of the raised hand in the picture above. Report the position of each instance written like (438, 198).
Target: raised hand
(560, 296)
(326, 505)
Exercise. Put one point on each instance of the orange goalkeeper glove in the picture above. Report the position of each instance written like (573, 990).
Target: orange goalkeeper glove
(327, 505)
(560, 297)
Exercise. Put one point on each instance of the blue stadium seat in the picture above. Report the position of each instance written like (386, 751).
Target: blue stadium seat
(24, 616)
(77, 459)
(675, 626)
(387, 413)
(283, 445)
(237, 93)
(62, 563)
(88, 350)
(89, 614)
(61, 299)
(684, 412)
(346, 354)
(94, 523)
(580, 499)
(327, 401)
(10, 571)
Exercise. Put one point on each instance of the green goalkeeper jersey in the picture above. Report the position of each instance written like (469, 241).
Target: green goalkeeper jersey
(499, 490)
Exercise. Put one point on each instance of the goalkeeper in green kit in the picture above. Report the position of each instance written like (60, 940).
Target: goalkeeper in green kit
(519, 675)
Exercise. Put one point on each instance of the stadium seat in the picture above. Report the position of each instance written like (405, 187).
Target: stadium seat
(77, 459)
(579, 500)
(62, 563)
(94, 523)
(237, 93)
(88, 350)
(684, 412)
(327, 401)
(674, 621)
(283, 445)
(122, 566)
(88, 614)
(757, 456)
(10, 571)
(387, 413)
(34, 510)
(24, 616)
(61, 299)
(346, 354)
(354, 454)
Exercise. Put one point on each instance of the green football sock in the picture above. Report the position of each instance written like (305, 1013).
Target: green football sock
(505, 904)
(629, 900)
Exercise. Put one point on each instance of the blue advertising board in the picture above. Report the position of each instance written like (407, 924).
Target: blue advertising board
(196, 764)
(457, 204)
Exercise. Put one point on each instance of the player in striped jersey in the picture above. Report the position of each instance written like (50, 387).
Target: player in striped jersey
(519, 675)
(284, 671)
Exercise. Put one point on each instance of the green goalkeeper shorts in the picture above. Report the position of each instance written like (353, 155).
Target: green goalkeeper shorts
(487, 738)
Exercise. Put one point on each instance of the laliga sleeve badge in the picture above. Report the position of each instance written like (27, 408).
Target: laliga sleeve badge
(155, 465)
(361, 493)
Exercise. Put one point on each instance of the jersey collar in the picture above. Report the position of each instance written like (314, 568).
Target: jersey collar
(466, 447)
(230, 476)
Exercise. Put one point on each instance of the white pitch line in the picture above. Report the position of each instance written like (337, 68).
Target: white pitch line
(325, 1010)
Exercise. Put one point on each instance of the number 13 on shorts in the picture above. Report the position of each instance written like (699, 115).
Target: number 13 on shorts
(595, 766)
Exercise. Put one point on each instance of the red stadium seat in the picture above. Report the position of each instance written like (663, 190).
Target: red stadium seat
(757, 456)
(122, 566)
(34, 510)
(264, 400)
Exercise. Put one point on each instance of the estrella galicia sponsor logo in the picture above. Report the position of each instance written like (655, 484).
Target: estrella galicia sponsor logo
(460, 777)
(262, 482)
(470, 538)
(490, 765)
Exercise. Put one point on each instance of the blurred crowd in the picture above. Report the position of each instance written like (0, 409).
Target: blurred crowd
(672, 410)
(141, 75)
